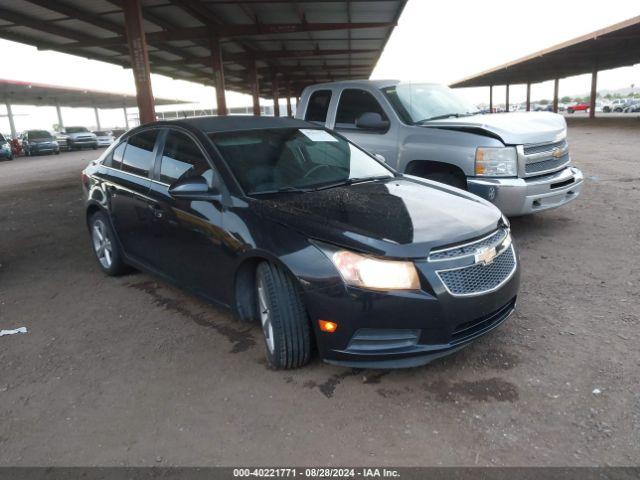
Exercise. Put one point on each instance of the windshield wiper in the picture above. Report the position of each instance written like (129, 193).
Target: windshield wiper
(440, 117)
(352, 181)
(288, 189)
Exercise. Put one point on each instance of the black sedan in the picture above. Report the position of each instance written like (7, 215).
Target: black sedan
(292, 226)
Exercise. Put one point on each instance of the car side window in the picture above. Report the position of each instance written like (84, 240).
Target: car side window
(138, 155)
(318, 106)
(114, 160)
(181, 157)
(353, 103)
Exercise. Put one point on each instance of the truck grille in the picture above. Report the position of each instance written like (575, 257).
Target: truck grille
(548, 164)
(539, 158)
(478, 278)
(470, 248)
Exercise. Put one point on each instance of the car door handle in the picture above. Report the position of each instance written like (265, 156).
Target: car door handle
(157, 211)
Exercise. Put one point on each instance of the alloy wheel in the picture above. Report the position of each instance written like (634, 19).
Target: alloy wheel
(102, 244)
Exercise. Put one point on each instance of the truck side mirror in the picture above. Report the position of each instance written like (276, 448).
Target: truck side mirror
(372, 121)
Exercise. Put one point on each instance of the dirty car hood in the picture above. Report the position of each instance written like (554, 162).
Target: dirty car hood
(402, 217)
(512, 128)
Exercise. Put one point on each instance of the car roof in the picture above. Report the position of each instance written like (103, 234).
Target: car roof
(212, 124)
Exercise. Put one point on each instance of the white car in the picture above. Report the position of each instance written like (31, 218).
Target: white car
(104, 138)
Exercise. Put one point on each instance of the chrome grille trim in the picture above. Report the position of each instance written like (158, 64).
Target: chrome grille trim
(538, 159)
(479, 279)
(543, 147)
(468, 249)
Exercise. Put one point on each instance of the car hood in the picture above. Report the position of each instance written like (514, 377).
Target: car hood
(401, 217)
(512, 128)
(80, 134)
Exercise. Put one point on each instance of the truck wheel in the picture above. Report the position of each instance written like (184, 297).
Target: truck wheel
(285, 325)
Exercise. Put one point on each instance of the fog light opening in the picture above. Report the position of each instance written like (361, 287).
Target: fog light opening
(327, 326)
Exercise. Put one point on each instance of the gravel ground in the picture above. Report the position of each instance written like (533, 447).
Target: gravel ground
(131, 371)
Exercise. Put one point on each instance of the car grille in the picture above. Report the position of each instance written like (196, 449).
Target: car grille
(470, 248)
(479, 278)
(548, 164)
(468, 330)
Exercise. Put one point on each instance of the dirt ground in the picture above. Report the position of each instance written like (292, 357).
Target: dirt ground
(131, 371)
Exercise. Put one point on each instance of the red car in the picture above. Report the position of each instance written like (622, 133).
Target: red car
(578, 107)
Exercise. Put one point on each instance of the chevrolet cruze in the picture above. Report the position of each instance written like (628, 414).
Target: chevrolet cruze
(295, 228)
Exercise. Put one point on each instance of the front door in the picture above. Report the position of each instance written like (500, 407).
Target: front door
(189, 233)
(351, 105)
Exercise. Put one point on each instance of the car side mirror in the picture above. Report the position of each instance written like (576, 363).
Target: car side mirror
(372, 121)
(193, 188)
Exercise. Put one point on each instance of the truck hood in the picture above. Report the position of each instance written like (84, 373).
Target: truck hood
(513, 128)
(401, 217)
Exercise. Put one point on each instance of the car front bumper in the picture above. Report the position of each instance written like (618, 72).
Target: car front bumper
(523, 196)
(43, 148)
(405, 329)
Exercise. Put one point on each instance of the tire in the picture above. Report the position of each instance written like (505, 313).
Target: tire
(109, 256)
(570, 110)
(284, 320)
(95, 147)
(57, 152)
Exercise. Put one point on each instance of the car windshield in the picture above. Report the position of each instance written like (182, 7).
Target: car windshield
(76, 130)
(292, 159)
(421, 102)
(100, 133)
(39, 134)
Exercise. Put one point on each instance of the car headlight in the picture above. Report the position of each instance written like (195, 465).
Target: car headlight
(374, 273)
(496, 162)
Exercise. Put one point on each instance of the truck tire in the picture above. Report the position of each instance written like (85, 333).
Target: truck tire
(284, 320)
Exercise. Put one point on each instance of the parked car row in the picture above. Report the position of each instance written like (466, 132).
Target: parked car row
(37, 142)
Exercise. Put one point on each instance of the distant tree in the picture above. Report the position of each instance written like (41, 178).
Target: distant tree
(56, 127)
(608, 96)
(565, 99)
(544, 101)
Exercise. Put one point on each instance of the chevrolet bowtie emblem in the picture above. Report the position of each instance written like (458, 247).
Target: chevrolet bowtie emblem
(556, 153)
(485, 256)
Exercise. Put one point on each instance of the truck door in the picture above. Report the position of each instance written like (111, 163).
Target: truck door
(352, 105)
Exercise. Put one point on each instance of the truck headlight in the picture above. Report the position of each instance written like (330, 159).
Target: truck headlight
(496, 162)
(374, 273)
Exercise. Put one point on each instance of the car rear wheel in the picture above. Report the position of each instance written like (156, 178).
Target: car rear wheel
(570, 110)
(285, 325)
(105, 245)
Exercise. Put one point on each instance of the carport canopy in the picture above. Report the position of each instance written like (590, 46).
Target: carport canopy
(261, 47)
(611, 47)
(15, 92)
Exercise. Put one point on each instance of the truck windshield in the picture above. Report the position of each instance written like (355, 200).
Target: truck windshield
(76, 130)
(294, 160)
(421, 102)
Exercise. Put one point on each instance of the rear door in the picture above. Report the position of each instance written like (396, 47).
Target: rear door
(127, 188)
(353, 103)
(188, 234)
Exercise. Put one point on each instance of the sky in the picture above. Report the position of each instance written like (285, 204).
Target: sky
(434, 41)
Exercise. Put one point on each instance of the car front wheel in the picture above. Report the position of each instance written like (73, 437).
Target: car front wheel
(285, 325)
(105, 245)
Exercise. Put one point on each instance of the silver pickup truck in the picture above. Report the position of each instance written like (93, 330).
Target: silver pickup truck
(518, 161)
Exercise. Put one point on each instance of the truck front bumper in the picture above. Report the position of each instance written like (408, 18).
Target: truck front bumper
(522, 196)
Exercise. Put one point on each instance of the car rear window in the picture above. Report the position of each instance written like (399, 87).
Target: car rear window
(138, 156)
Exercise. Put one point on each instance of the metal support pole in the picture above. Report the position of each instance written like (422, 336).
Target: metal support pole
(59, 112)
(255, 87)
(139, 58)
(289, 110)
(594, 92)
(506, 107)
(276, 98)
(556, 87)
(95, 110)
(528, 96)
(12, 126)
(126, 117)
(490, 98)
(218, 75)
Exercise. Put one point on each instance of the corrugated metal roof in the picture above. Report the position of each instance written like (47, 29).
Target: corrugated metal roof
(28, 93)
(611, 47)
(302, 41)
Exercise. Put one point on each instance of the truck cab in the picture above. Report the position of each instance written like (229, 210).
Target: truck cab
(519, 161)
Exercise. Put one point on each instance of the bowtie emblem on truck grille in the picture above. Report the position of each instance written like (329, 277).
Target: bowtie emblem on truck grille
(556, 152)
(485, 255)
